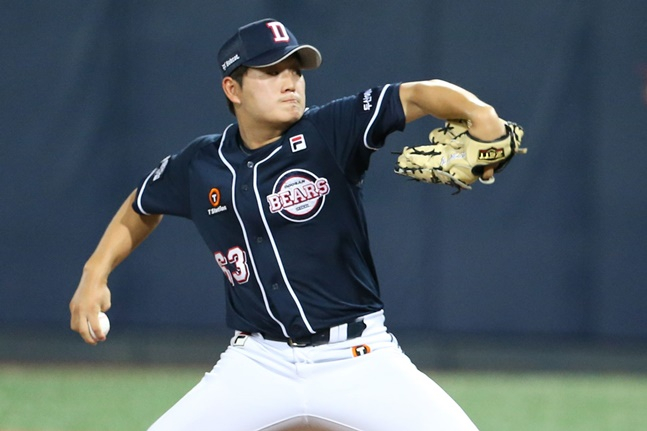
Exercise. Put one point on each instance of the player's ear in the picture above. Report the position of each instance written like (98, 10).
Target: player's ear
(231, 89)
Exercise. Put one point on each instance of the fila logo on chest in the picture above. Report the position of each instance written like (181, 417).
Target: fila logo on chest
(298, 143)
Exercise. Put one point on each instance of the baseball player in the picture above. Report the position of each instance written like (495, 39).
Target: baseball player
(277, 198)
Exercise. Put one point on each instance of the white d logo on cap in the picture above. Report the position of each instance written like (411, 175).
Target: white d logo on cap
(278, 29)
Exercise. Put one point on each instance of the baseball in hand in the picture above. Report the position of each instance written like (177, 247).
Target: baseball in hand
(104, 322)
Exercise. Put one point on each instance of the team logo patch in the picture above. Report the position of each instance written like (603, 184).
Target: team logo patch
(278, 31)
(298, 195)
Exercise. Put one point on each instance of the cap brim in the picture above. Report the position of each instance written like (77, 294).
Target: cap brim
(309, 56)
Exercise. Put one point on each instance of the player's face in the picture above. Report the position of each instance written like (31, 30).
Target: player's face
(274, 95)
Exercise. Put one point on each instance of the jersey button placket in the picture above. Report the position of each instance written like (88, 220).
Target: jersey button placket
(245, 187)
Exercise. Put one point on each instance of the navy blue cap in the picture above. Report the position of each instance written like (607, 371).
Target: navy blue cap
(264, 43)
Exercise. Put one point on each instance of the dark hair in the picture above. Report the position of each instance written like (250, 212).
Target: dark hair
(236, 75)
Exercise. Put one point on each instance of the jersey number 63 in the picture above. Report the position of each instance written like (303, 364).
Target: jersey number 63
(234, 265)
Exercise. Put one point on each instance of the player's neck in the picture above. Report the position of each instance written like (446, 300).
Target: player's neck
(258, 137)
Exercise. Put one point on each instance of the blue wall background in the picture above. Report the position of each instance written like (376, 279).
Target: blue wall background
(94, 93)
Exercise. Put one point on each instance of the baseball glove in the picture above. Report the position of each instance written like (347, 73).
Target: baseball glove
(457, 158)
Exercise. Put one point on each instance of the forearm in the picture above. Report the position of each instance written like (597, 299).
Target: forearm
(124, 233)
(448, 101)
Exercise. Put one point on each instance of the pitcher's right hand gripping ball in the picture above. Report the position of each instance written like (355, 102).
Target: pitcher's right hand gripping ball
(457, 158)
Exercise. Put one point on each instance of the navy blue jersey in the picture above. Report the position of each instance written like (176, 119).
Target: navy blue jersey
(285, 222)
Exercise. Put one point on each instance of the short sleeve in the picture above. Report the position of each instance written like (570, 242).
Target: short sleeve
(166, 189)
(356, 126)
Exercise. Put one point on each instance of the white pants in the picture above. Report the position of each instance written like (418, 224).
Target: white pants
(365, 384)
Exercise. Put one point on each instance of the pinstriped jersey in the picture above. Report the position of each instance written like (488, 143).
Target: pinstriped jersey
(285, 222)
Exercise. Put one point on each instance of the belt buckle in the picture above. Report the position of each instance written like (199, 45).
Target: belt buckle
(293, 343)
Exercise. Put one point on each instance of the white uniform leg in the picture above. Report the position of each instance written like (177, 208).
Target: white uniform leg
(384, 391)
(364, 384)
(241, 393)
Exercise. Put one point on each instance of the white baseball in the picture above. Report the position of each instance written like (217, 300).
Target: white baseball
(104, 322)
